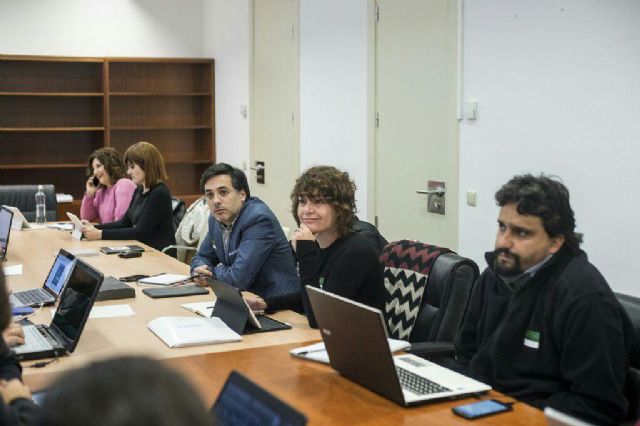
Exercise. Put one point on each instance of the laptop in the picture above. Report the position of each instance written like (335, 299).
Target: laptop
(356, 340)
(231, 308)
(62, 335)
(242, 402)
(49, 292)
(6, 216)
(558, 418)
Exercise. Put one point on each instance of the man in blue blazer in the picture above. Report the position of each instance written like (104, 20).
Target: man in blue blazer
(245, 245)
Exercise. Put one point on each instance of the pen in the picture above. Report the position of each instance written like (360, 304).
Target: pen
(311, 351)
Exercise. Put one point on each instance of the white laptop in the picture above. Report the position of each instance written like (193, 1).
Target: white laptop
(6, 216)
(558, 418)
(49, 292)
(356, 340)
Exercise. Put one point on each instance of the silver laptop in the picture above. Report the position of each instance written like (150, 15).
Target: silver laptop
(356, 340)
(62, 335)
(6, 216)
(52, 286)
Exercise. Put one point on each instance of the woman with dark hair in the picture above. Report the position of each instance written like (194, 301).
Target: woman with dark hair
(109, 191)
(330, 254)
(16, 406)
(149, 218)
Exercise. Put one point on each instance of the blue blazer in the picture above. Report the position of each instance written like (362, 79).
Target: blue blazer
(259, 258)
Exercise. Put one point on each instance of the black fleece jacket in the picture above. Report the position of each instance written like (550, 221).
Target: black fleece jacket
(560, 341)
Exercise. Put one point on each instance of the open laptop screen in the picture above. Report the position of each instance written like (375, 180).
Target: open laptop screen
(59, 272)
(5, 228)
(243, 402)
(76, 302)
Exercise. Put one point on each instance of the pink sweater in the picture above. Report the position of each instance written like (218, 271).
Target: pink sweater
(109, 204)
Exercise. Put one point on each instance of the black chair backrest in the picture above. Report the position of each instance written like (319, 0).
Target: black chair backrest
(427, 291)
(24, 198)
(446, 298)
(632, 388)
(179, 209)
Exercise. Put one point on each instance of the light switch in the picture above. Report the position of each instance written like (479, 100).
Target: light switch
(470, 110)
(471, 197)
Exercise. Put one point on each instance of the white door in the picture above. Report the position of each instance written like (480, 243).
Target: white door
(275, 92)
(417, 131)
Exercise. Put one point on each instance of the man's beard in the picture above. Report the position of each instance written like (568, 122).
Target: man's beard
(510, 271)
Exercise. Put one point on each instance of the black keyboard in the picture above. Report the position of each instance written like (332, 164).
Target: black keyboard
(267, 323)
(418, 384)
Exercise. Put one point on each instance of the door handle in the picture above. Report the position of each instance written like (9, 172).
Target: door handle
(438, 191)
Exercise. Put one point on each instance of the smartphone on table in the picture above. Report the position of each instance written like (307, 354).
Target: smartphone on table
(481, 409)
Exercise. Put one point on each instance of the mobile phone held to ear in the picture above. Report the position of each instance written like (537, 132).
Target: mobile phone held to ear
(95, 181)
(481, 409)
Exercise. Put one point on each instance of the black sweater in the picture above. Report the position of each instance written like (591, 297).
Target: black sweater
(349, 267)
(21, 411)
(149, 219)
(560, 341)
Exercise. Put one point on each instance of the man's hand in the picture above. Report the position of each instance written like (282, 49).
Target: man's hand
(13, 335)
(13, 389)
(302, 233)
(256, 303)
(203, 270)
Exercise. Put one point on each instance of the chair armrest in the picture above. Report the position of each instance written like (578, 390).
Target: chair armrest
(167, 248)
(431, 350)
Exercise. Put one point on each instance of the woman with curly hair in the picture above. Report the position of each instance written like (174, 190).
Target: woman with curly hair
(330, 255)
(108, 190)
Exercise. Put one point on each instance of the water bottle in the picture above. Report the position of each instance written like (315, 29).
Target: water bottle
(41, 208)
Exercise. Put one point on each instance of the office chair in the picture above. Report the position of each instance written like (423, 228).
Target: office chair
(427, 292)
(24, 198)
(632, 386)
(178, 210)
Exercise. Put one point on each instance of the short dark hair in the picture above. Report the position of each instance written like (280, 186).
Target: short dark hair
(149, 159)
(238, 178)
(5, 307)
(332, 186)
(124, 391)
(547, 198)
(112, 162)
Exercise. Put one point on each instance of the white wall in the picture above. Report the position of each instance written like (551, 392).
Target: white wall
(557, 85)
(102, 28)
(333, 88)
(227, 40)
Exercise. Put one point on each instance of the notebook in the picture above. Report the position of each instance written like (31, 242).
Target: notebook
(63, 333)
(356, 340)
(242, 402)
(231, 308)
(6, 215)
(52, 287)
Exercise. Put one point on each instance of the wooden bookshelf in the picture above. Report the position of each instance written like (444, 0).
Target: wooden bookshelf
(55, 111)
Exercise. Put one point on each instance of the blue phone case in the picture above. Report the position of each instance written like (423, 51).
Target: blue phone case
(23, 310)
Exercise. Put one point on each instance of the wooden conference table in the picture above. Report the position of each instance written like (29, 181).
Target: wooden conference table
(315, 389)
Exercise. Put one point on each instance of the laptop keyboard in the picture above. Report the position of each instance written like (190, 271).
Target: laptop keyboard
(418, 384)
(32, 297)
(269, 324)
(34, 341)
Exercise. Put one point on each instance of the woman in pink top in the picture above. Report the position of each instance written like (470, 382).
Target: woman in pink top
(109, 191)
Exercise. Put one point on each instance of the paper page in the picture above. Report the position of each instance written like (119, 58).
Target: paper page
(61, 226)
(201, 308)
(316, 352)
(12, 270)
(164, 279)
(111, 311)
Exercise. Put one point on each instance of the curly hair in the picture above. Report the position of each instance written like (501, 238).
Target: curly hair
(546, 198)
(112, 162)
(329, 185)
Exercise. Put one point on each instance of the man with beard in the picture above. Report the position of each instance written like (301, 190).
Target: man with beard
(543, 324)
